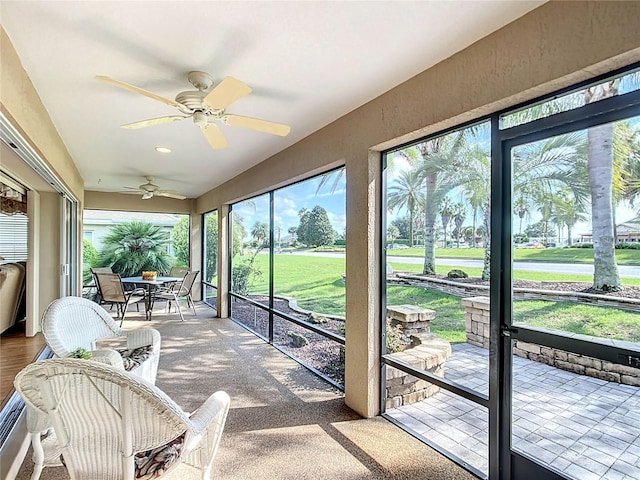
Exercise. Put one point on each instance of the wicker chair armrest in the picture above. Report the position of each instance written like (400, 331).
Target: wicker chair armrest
(110, 357)
(37, 421)
(202, 418)
(142, 337)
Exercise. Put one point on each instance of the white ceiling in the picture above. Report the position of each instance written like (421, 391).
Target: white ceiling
(308, 63)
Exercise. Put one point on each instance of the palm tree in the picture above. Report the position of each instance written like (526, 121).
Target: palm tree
(568, 212)
(260, 232)
(600, 161)
(521, 207)
(446, 213)
(133, 247)
(439, 164)
(626, 147)
(478, 191)
(407, 192)
(459, 216)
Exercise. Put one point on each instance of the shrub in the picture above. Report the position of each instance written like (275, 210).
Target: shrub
(582, 245)
(456, 273)
(242, 277)
(628, 246)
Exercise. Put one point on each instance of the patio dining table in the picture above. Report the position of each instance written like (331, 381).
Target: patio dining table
(150, 286)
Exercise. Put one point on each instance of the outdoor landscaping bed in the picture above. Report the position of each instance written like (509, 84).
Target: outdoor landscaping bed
(321, 353)
(627, 291)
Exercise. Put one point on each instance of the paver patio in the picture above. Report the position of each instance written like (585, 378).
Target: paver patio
(587, 428)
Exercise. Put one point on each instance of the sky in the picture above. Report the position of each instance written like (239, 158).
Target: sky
(288, 201)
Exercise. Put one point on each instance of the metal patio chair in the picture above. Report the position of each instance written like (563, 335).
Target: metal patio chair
(112, 291)
(176, 291)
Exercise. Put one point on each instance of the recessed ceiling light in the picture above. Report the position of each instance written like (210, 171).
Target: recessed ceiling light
(163, 150)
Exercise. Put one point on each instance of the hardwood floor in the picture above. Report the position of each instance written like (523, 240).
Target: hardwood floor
(16, 352)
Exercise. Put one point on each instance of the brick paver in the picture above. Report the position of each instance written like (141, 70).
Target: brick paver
(585, 427)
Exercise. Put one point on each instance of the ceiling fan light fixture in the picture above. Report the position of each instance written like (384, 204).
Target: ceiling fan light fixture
(205, 105)
(200, 119)
(163, 150)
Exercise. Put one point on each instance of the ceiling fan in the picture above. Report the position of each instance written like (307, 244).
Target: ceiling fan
(205, 108)
(149, 190)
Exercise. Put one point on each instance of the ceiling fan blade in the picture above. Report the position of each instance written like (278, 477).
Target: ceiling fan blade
(153, 121)
(170, 194)
(257, 124)
(139, 90)
(228, 91)
(214, 136)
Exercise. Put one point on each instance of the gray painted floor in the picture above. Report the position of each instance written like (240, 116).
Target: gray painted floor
(586, 428)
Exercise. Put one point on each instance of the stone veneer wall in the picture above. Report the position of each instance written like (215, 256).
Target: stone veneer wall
(477, 328)
(427, 352)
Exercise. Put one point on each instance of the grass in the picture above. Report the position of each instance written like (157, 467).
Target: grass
(583, 319)
(449, 321)
(518, 274)
(316, 284)
(559, 255)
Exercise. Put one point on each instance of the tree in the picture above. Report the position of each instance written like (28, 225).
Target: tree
(315, 229)
(260, 233)
(567, 212)
(407, 192)
(302, 232)
(90, 258)
(601, 175)
(459, 215)
(539, 230)
(438, 162)
(392, 233)
(521, 207)
(211, 246)
(133, 247)
(478, 190)
(402, 224)
(180, 237)
(446, 213)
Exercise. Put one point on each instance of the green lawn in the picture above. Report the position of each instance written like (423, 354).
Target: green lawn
(560, 255)
(316, 284)
(518, 274)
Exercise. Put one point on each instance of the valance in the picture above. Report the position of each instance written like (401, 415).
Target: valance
(12, 202)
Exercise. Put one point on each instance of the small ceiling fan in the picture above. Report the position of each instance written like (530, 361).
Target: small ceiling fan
(205, 108)
(149, 190)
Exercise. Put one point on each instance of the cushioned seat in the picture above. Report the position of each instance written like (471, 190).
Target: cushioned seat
(12, 289)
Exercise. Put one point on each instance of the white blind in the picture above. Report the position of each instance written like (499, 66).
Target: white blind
(13, 237)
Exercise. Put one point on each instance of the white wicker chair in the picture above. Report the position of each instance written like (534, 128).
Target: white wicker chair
(69, 323)
(75, 322)
(111, 425)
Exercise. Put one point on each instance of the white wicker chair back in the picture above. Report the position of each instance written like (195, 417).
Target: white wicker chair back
(112, 425)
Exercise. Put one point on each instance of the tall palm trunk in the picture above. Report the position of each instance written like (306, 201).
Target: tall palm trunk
(600, 168)
(411, 227)
(431, 211)
(486, 270)
(475, 218)
(600, 164)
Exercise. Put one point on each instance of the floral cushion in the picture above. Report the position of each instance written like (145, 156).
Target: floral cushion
(155, 463)
(134, 357)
